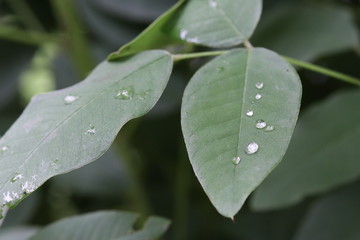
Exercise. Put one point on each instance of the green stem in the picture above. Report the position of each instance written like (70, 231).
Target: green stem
(340, 76)
(79, 48)
(178, 57)
(26, 37)
(26, 15)
(315, 68)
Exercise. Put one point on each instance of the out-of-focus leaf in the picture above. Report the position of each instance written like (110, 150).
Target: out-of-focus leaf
(216, 23)
(103, 226)
(66, 129)
(152, 37)
(17, 233)
(333, 217)
(323, 154)
(238, 114)
(307, 31)
(143, 11)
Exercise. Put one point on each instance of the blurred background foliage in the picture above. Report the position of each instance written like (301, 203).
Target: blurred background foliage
(51, 44)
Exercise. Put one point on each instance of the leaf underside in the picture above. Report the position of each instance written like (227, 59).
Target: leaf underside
(66, 129)
(218, 130)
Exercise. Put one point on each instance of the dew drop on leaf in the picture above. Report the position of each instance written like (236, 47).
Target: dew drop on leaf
(16, 177)
(250, 113)
(258, 96)
(260, 124)
(125, 93)
(269, 128)
(4, 149)
(213, 3)
(252, 148)
(70, 99)
(91, 130)
(183, 34)
(259, 85)
(236, 160)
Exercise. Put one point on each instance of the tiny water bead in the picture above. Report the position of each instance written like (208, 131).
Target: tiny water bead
(220, 69)
(258, 96)
(260, 124)
(252, 148)
(4, 149)
(193, 40)
(269, 128)
(213, 3)
(91, 130)
(144, 94)
(250, 113)
(16, 177)
(125, 94)
(183, 34)
(259, 85)
(236, 160)
(70, 99)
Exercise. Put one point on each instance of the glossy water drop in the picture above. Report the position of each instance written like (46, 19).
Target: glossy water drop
(4, 149)
(250, 113)
(260, 124)
(69, 99)
(7, 197)
(16, 177)
(236, 160)
(269, 128)
(125, 94)
(193, 40)
(258, 96)
(28, 187)
(213, 3)
(183, 34)
(252, 148)
(220, 69)
(91, 130)
(259, 85)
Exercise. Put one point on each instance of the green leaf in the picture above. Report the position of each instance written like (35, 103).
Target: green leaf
(17, 233)
(66, 129)
(216, 23)
(307, 31)
(219, 115)
(323, 154)
(106, 225)
(333, 217)
(152, 37)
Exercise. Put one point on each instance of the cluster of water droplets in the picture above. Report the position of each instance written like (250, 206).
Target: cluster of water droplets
(91, 130)
(260, 124)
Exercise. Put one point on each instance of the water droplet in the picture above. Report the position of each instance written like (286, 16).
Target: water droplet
(7, 197)
(125, 94)
(258, 96)
(269, 128)
(91, 130)
(28, 187)
(252, 148)
(236, 160)
(16, 177)
(183, 34)
(213, 3)
(259, 85)
(143, 95)
(249, 113)
(220, 69)
(193, 40)
(4, 149)
(69, 99)
(260, 124)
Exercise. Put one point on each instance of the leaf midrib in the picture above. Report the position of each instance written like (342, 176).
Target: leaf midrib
(78, 110)
(231, 23)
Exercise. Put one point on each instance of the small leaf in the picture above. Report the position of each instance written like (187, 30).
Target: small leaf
(323, 154)
(234, 139)
(152, 37)
(66, 129)
(106, 225)
(17, 233)
(333, 217)
(290, 30)
(217, 23)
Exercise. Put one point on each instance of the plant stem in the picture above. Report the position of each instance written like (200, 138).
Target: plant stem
(178, 57)
(248, 45)
(331, 73)
(26, 37)
(26, 15)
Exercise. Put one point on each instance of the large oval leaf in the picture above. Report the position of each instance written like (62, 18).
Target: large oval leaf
(238, 115)
(323, 154)
(66, 129)
(217, 23)
(107, 225)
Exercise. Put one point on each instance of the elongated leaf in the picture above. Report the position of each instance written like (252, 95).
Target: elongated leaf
(333, 217)
(217, 23)
(109, 225)
(323, 154)
(222, 105)
(290, 30)
(152, 37)
(66, 129)
(17, 233)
